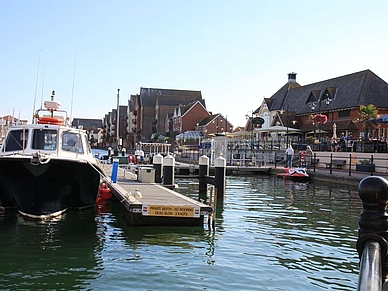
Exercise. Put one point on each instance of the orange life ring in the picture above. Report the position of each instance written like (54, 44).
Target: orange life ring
(50, 120)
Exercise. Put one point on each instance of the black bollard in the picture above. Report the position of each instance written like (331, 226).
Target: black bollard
(203, 171)
(168, 170)
(220, 173)
(157, 161)
(372, 243)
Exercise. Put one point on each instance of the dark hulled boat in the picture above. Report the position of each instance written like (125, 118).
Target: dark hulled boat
(47, 167)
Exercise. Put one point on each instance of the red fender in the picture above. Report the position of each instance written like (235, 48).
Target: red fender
(105, 192)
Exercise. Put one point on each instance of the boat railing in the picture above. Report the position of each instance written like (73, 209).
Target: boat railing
(58, 113)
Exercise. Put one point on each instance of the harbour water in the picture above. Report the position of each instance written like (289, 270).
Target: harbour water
(270, 234)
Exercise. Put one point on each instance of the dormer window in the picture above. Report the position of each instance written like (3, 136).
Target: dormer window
(327, 96)
(329, 93)
(314, 96)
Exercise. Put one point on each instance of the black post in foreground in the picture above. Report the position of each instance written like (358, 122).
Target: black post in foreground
(372, 243)
(168, 171)
(157, 161)
(220, 173)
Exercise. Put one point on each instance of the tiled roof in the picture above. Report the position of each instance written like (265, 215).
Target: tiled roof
(349, 91)
(208, 119)
(9, 118)
(185, 107)
(170, 97)
(275, 102)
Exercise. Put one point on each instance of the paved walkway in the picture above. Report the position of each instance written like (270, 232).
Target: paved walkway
(341, 176)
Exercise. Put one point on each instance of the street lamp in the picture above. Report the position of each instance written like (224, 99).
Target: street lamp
(287, 118)
(253, 121)
(287, 122)
(250, 118)
(320, 118)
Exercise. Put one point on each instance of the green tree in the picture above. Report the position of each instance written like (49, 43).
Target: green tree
(367, 118)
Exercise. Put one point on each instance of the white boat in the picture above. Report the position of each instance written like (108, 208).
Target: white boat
(47, 167)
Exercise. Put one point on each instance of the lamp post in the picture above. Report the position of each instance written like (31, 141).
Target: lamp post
(253, 122)
(118, 119)
(250, 119)
(320, 118)
(287, 123)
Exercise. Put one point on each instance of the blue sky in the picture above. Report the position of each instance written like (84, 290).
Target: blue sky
(234, 52)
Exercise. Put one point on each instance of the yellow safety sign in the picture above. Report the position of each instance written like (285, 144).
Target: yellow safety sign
(173, 211)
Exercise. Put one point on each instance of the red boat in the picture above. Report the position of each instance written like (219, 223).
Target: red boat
(295, 174)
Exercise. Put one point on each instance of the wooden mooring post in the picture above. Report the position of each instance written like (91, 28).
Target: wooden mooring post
(372, 243)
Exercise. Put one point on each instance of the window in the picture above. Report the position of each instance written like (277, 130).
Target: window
(314, 96)
(71, 142)
(16, 140)
(44, 139)
(344, 113)
(330, 93)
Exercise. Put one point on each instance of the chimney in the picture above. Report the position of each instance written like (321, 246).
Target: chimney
(292, 77)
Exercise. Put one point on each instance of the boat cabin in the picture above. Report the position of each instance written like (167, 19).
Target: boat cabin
(49, 139)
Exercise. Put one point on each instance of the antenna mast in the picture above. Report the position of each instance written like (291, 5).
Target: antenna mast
(72, 91)
(36, 89)
(118, 118)
(41, 97)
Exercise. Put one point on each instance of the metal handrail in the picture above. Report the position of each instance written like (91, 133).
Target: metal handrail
(372, 245)
(370, 277)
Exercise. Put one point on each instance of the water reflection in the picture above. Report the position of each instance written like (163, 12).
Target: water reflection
(178, 239)
(270, 234)
(52, 254)
(303, 227)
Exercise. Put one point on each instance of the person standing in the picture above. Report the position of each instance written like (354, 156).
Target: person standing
(290, 155)
(309, 156)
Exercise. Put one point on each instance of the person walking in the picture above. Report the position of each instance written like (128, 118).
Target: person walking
(309, 156)
(290, 155)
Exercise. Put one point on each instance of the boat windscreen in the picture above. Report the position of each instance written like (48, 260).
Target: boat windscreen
(72, 142)
(44, 139)
(16, 140)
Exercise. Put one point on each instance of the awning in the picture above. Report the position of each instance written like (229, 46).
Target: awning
(383, 119)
